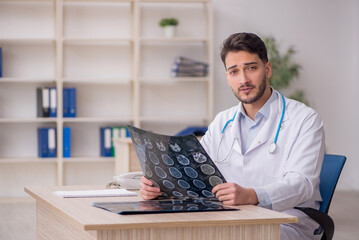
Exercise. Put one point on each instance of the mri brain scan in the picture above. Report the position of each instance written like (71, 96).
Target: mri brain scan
(178, 165)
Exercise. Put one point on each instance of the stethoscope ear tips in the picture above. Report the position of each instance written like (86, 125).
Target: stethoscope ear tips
(272, 148)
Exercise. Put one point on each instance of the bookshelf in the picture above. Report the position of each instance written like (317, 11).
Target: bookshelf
(114, 53)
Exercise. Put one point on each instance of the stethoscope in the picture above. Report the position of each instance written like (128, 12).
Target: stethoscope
(272, 146)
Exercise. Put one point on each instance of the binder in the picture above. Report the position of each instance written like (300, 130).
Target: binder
(72, 102)
(65, 102)
(0, 62)
(51, 142)
(105, 142)
(66, 142)
(42, 139)
(45, 102)
(40, 112)
(69, 102)
(117, 132)
(53, 102)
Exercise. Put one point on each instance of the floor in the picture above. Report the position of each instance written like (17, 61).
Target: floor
(18, 218)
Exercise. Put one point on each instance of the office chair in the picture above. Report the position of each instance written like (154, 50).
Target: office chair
(329, 176)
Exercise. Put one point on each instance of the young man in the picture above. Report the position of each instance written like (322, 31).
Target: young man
(269, 148)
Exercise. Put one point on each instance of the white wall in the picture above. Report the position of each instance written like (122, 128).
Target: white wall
(326, 37)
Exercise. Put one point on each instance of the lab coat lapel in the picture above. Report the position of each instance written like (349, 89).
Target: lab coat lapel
(234, 128)
(269, 129)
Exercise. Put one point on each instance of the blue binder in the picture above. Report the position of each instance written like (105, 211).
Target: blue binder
(51, 143)
(69, 102)
(72, 102)
(53, 102)
(42, 139)
(67, 142)
(196, 130)
(46, 101)
(105, 143)
(65, 102)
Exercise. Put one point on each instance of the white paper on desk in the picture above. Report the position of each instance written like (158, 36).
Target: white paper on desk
(96, 193)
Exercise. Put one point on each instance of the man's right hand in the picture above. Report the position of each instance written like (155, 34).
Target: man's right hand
(147, 190)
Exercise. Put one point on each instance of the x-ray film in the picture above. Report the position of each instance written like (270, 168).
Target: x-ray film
(178, 165)
(162, 206)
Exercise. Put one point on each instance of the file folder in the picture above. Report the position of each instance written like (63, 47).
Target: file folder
(53, 102)
(67, 142)
(65, 102)
(40, 112)
(46, 102)
(105, 141)
(69, 102)
(42, 139)
(117, 132)
(51, 142)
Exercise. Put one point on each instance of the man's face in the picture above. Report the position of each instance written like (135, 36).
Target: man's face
(247, 75)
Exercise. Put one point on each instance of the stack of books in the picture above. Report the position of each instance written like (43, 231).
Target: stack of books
(186, 67)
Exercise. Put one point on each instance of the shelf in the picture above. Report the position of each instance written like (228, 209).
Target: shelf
(91, 80)
(88, 159)
(99, 1)
(28, 160)
(26, 80)
(27, 40)
(27, 0)
(175, 40)
(175, 1)
(172, 119)
(107, 41)
(172, 80)
(27, 120)
(97, 120)
(114, 53)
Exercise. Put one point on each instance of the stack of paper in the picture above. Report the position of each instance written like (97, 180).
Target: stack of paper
(95, 193)
(185, 67)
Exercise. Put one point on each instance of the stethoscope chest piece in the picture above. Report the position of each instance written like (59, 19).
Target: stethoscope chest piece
(272, 148)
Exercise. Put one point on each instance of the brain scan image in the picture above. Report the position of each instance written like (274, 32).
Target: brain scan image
(160, 146)
(175, 147)
(148, 143)
(199, 157)
(178, 165)
(136, 138)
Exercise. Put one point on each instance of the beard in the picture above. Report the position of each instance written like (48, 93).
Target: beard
(261, 89)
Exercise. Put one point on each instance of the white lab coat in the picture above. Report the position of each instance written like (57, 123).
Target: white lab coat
(291, 174)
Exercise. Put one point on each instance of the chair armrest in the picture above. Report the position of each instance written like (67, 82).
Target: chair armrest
(323, 219)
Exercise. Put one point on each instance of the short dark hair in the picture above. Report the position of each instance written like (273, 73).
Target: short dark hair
(248, 42)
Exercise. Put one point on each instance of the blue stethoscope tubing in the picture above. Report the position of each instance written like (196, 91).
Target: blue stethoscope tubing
(273, 145)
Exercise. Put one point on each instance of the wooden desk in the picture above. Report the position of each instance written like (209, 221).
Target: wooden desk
(76, 218)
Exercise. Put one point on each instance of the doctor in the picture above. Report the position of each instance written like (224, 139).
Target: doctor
(268, 148)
